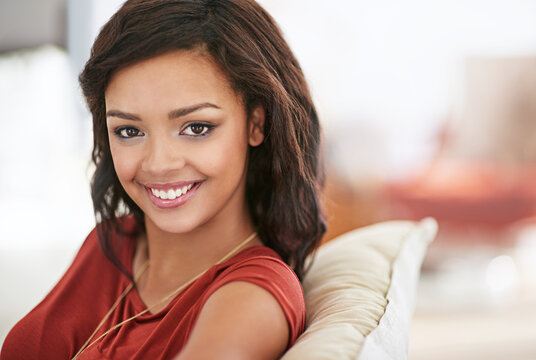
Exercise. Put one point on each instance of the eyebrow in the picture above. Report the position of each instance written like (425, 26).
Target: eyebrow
(173, 114)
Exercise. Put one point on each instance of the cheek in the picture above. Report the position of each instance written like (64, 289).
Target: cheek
(226, 157)
(124, 163)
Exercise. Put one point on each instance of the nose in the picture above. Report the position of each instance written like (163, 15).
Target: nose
(162, 156)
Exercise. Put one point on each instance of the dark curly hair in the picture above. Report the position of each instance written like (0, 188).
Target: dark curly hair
(284, 176)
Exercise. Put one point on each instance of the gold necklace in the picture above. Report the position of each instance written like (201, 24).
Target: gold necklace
(144, 267)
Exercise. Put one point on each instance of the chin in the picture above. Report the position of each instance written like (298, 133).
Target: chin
(173, 224)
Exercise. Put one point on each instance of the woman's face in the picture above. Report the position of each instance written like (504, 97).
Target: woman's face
(179, 137)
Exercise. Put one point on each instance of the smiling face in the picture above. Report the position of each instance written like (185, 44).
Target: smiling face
(179, 138)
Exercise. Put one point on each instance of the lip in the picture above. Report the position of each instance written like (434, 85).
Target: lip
(172, 203)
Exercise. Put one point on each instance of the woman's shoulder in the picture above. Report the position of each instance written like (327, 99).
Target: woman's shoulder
(254, 284)
(264, 261)
(67, 312)
(263, 267)
(89, 269)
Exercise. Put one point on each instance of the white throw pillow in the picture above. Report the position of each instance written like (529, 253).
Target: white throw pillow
(360, 293)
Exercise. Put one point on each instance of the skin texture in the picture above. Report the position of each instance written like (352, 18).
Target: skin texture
(258, 332)
(157, 116)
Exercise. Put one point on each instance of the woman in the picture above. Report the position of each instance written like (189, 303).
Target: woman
(206, 192)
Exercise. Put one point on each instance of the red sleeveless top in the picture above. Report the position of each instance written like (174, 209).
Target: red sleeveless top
(62, 322)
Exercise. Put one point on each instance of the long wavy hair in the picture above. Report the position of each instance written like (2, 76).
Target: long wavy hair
(284, 175)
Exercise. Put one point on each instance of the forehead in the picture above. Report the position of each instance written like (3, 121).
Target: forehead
(175, 78)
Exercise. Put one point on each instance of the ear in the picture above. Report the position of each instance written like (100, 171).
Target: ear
(256, 126)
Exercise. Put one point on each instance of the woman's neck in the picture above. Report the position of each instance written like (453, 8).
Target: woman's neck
(176, 258)
(172, 253)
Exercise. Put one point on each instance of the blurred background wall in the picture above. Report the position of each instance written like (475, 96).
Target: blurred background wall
(428, 108)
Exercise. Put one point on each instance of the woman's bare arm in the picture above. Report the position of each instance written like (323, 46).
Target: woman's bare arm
(239, 321)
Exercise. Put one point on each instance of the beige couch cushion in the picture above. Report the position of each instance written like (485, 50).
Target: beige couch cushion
(360, 293)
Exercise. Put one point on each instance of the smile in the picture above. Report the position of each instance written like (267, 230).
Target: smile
(171, 194)
(166, 196)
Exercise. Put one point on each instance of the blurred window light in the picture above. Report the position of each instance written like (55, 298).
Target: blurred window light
(501, 274)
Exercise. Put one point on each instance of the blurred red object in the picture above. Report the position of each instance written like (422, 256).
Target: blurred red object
(470, 194)
(483, 176)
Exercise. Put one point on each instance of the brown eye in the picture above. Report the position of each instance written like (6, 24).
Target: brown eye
(131, 132)
(197, 128)
(128, 132)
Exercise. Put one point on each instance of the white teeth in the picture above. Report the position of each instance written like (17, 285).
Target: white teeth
(171, 194)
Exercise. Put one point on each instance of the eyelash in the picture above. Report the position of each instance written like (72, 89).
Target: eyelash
(118, 132)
